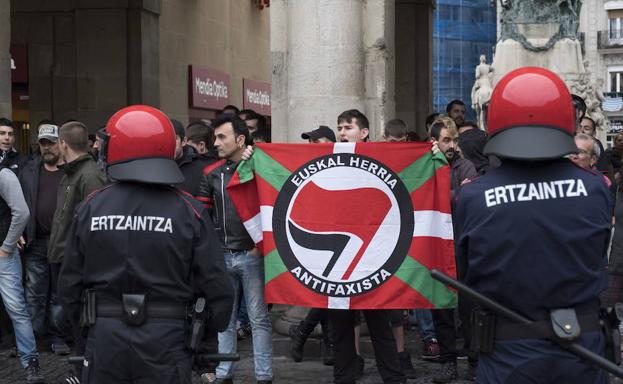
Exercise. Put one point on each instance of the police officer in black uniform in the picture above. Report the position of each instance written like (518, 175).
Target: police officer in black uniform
(534, 232)
(139, 252)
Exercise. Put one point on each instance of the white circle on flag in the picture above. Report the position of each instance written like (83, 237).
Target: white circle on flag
(382, 244)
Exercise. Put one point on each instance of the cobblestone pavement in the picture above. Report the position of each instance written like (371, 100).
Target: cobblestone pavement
(311, 370)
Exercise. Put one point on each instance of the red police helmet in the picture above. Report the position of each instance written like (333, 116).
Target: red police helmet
(531, 116)
(139, 145)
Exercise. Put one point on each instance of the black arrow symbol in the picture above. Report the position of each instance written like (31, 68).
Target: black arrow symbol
(333, 242)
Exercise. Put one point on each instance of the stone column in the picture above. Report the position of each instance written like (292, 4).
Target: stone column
(330, 56)
(279, 53)
(5, 59)
(143, 49)
(379, 47)
(414, 62)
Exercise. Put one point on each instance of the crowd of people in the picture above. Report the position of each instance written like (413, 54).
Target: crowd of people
(40, 193)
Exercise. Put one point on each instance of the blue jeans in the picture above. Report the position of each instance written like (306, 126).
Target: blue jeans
(247, 271)
(37, 283)
(425, 323)
(12, 294)
(243, 316)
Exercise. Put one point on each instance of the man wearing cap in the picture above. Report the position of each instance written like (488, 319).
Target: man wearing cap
(322, 134)
(533, 234)
(81, 176)
(40, 178)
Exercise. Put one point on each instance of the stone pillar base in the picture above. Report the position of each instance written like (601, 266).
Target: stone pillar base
(564, 58)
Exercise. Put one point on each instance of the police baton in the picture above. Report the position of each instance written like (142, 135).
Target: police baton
(485, 302)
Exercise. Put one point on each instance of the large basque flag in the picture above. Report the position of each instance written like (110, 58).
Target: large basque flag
(349, 225)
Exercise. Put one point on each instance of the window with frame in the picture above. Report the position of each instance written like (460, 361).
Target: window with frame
(614, 28)
(615, 80)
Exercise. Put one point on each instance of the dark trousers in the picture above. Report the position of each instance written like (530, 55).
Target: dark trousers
(58, 326)
(445, 329)
(151, 353)
(531, 361)
(342, 325)
(37, 283)
(315, 316)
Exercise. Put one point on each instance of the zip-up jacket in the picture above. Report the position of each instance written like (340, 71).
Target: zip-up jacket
(29, 179)
(82, 176)
(13, 160)
(192, 165)
(213, 194)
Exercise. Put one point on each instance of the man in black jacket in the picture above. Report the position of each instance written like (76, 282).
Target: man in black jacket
(9, 157)
(145, 250)
(190, 162)
(40, 178)
(244, 264)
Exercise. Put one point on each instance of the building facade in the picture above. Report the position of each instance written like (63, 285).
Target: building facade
(463, 30)
(330, 56)
(602, 26)
(300, 62)
(86, 59)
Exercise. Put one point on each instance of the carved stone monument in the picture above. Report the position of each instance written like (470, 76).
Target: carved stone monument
(539, 33)
(544, 33)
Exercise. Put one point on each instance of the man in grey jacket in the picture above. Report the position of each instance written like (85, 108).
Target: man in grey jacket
(13, 218)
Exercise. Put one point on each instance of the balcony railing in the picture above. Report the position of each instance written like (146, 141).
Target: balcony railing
(613, 102)
(610, 39)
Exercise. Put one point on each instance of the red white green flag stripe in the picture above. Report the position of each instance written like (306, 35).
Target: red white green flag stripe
(350, 226)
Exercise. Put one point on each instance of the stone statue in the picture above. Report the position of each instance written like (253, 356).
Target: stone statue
(481, 91)
(591, 92)
(593, 106)
(519, 17)
(582, 85)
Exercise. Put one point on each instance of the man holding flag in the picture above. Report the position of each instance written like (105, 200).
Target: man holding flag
(353, 127)
(242, 259)
(308, 209)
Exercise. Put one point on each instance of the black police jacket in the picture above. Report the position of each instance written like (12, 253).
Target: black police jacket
(213, 193)
(616, 252)
(145, 239)
(534, 235)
